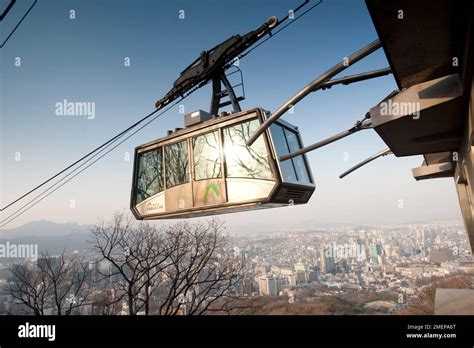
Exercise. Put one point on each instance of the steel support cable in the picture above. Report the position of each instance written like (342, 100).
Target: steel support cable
(107, 143)
(19, 211)
(76, 162)
(116, 137)
(283, 27)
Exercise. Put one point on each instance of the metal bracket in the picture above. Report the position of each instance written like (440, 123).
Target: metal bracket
(218, 93)
(315, 85)
(359, 125)
(368, 160)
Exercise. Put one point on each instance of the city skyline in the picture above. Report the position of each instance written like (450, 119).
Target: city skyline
(358, 270)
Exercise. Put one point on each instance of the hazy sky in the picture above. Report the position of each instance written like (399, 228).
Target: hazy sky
(82, 59)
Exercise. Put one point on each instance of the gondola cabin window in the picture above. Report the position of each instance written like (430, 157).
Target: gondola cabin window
(281, 148)
(243, 161)
(286, 141)
(207, 156)
(298, 162)
(150, 174)
(177, 164)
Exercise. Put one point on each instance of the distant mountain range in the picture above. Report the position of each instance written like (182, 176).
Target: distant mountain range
(49, 236)
(55, 237)
(296, 226)
(43, 228)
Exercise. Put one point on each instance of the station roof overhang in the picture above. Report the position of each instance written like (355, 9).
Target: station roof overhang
(429, 46)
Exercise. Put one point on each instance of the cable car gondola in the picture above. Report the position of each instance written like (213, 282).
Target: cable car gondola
(207, 168)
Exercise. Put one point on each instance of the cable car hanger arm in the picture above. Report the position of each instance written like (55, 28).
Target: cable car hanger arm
(358, 126)
(347, 80)
(315, 85)
(368, 160)
(365, 123)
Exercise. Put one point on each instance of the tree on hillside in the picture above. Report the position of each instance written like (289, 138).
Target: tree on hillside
(136, 254)
(178, 269)
(201, 275)
(58, 284)
(424, 302)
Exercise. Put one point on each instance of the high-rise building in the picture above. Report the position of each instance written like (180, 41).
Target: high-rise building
(247, 286)
(327, 261)
(373, 253)
(322, 259)
(267, 286)
(378, 249)
(272, 287)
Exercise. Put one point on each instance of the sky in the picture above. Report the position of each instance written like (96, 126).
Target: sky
(82, 59)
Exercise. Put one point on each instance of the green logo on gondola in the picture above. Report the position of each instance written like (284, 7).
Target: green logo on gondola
(212, 186)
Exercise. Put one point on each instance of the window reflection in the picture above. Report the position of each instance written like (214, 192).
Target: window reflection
(298, 162)
(207, 157)
(287, 141)
(176, 156)
(150, 174)
(243, 161)
(281, 147)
